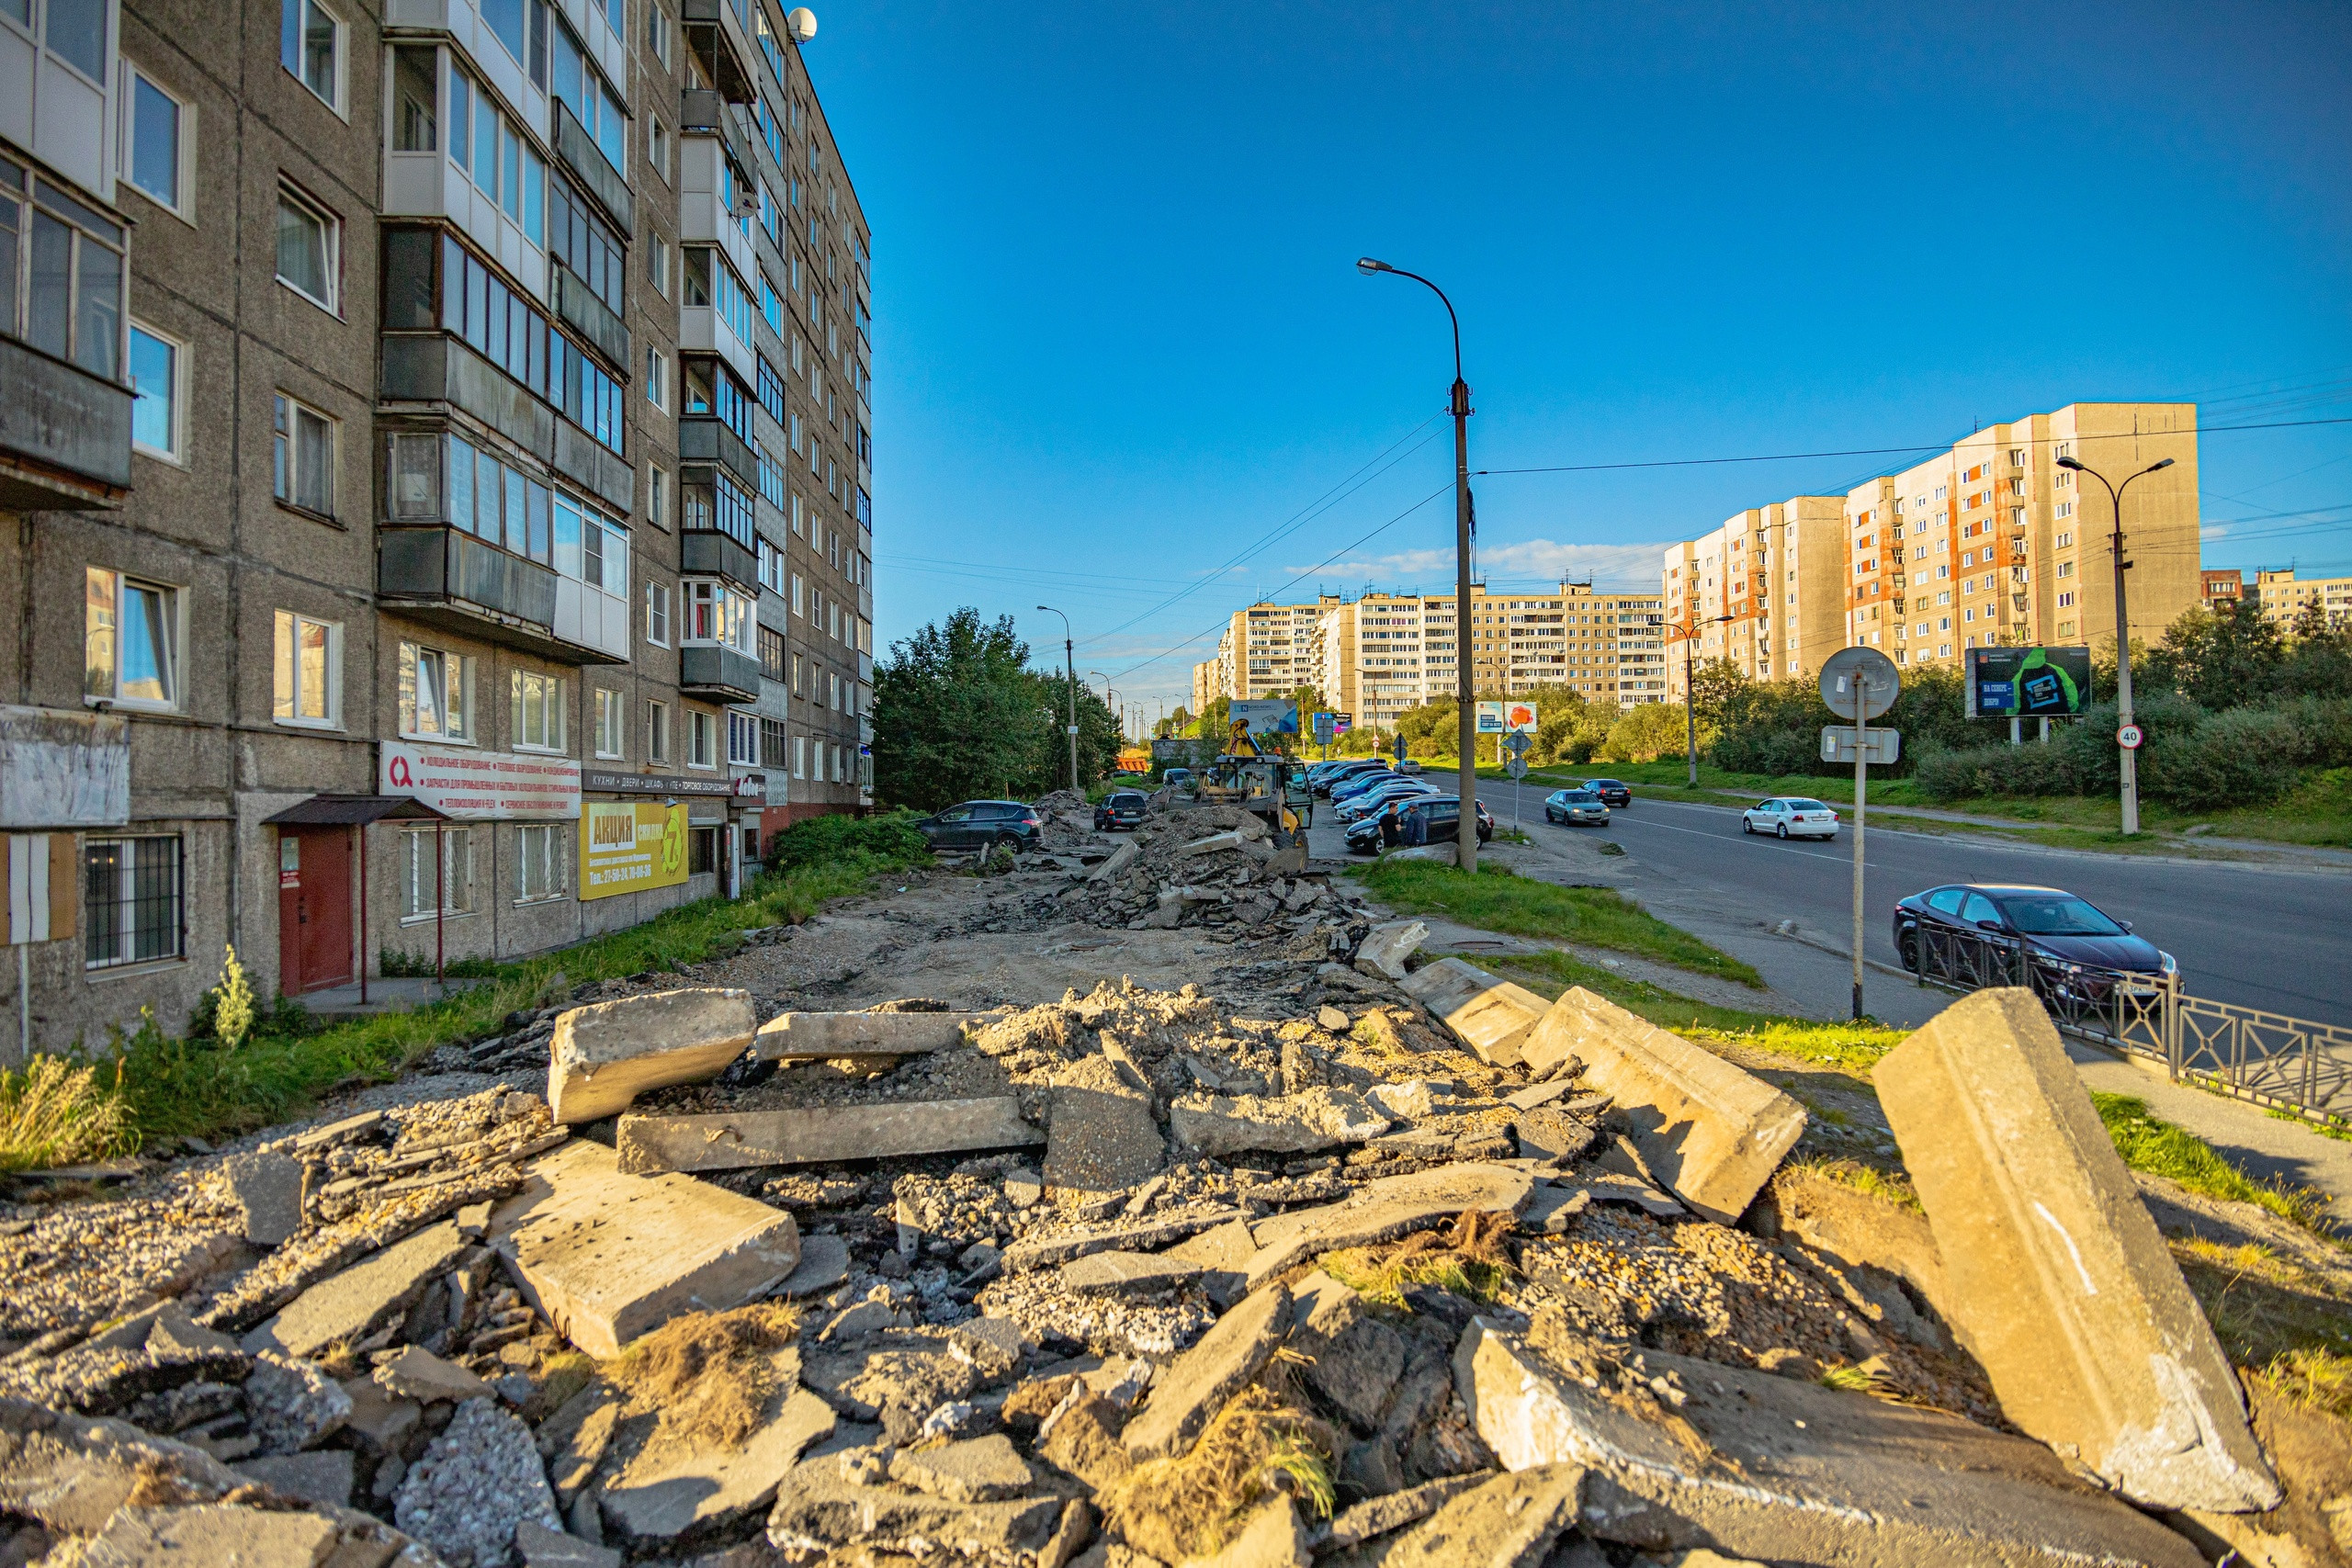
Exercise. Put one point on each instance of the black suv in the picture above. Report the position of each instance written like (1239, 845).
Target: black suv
(1120, 808)
(1611, 792)
(984, 824)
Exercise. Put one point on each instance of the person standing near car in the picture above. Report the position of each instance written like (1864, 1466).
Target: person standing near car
(1415, 826)
(1391, 828)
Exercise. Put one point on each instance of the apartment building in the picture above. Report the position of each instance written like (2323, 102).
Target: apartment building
(1267, 651)
(419, 541)
(1990, 542)
(2284, 598)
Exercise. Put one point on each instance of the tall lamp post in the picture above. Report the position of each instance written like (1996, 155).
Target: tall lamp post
(1688, 634)
(2130, 756)
(1069, 660)
(1465, 833)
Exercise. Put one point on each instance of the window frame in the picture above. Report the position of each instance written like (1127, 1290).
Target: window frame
(742, 738)
(183, 207)
(702, 740)
(657, 613)
(294, 408)
(456, 889)
(126, 870)
(330, 230)
(657, 731)
(612, 725)
(552, 706)
(554, 862)
(408, 664)
(176, 454)
(285, 629)
(298, 9)
(173, 625)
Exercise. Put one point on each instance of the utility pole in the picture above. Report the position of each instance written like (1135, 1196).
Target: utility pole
(1070, 659)
(1465, 833)
(2127, 749)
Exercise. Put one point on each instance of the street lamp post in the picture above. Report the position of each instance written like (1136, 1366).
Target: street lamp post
(2128, 756)
(1070, 659)
(1465, 832)
(1688, 634)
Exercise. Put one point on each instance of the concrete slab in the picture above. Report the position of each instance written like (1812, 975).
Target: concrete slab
(1756, 1465)
(671, 1486)
(363, 1297)
(1101, 1134)
(1491, 1016)
(1290, 1124)
(979, 1469)
(731, 1140)
(817, 1502)
(1384, 1210)
(1117, 863)
(322, 1475)
(607, 1256)
(419, 1374)
(1385, 950)
(813, 1036)
(1506, 1521)
(824, 1263)
(602, 1057)
(170, 1538)
(1195, 1387)
(1708, 1129)
(2059, 1283)
(268, 1190)
(1104, 1272)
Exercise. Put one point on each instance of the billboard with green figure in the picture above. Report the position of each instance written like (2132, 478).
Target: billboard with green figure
(2027, 682)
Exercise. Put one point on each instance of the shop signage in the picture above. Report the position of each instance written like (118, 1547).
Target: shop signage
(631, 847)
(601, 782)
(480, 786)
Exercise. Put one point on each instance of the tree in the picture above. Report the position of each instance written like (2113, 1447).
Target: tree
(1175, 723)
(1648, 732)
(2221, 659)
(1715, 686)
(957, 714)
(1213, 721)
(1099, 741)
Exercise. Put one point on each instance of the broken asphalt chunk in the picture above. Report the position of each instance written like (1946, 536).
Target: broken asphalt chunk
(1384, 951)
(1188, 1393)
(814, 1036)
(1290, 1124)
(348, 1305)
(731, 1140)
(602, 1057)
(1491, 1016)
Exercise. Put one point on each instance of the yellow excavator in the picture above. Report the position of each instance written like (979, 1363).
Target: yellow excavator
(1264, 782)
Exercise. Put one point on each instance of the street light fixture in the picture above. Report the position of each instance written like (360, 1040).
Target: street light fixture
(2130, 756)
(1465, 833)
(1070, 659)
(1687, 635)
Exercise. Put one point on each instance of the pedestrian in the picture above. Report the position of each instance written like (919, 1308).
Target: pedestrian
(1416, 827)
(1389, 827)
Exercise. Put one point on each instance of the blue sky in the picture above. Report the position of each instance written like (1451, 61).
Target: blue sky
(1124, 365)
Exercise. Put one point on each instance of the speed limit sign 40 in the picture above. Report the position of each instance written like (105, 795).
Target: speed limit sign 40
(2130, 736)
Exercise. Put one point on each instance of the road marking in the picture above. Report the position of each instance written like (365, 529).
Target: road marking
(1816, 855)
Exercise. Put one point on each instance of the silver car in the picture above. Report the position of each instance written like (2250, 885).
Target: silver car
(1791, 816)
(1576, 807)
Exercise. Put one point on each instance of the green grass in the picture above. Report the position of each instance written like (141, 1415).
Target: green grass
(1499, 899)
(2335, 1130)
(173, 1088)
(2150, 1144)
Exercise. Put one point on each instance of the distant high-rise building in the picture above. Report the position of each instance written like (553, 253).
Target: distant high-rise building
(2284, 597)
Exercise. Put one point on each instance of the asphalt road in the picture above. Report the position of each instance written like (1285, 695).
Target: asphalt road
(2256, 935)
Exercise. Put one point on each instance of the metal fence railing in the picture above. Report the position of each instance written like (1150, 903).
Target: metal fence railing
(2259, 1055)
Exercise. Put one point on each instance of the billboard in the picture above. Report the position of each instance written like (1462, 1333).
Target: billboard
(1519, 718)
(631, 847)
(476, 785)
(1489, 718)
(1267, 717)
(2027, 682)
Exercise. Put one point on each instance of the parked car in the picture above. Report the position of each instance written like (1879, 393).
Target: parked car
(1440, 816)
(1177, 778)
(1369, 801)
(2061, 935)
(1357, 784)
(1575, 808)
(984, 824)
(1120, 808)
(1611, 792)
(1408, 765)
(1351, 773)
(1790, 817)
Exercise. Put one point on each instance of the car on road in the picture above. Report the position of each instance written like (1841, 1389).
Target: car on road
(984, 824)
(1440, 816)
(1120, 808)
(1177, 778)
(1409, 766)
(1612, 791)
(1576, 807)
(1360, 805)
(1790, 817)
(2063, 936)
(1336, 784)
(1348, 789)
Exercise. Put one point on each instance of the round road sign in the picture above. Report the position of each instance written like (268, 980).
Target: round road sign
(1872, 672)
(2130, 736)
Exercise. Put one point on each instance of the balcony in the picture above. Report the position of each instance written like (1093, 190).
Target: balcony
(447, 578)
(706, 552)
(705, 439)
(720, 674)
(590, 316)
(718, 31)
(431, 367)
(583, 157)
(702, 112)
(64, 434)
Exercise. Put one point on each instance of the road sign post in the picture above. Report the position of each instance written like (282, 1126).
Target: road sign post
(1863, 682)
(1515, 744)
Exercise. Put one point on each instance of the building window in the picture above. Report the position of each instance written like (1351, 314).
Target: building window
(657, 731)
(657, 265)
(435, 692)
(657, 497)
(702, 738)
(538, 706)
(309, 250)
(302, 457)
(158, 141)
(418, 884)
(540, 862)
(131, 894)
(657, 148)
(310, 44)
(771, 744)
(657, 379)
(702, 851)
(157, 363)
(743, 739)
(657, 613)
(131, 641)
(306, 685)
(612, 722)
(69, 300)
(799, 756)
(772, 654)
(657, 32)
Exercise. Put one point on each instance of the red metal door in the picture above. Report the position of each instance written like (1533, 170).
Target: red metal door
(313, 908)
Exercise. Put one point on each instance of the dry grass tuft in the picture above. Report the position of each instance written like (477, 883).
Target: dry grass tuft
(1188, 1506)
(1468, 1259)
(54, 1114)
(2313, 1378)
(1867, 1180)
(708, 1372)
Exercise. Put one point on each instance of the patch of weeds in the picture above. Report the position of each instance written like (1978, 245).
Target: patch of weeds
(1468, 1259)
(2313, 1378)
(1854, 1379)
(2329, 1129)
(1867, 1180)
(1611, 847)
(709, 1373)
(2261, 1307)
(1188, 1506)
(2150, 1144)
(55, 1112)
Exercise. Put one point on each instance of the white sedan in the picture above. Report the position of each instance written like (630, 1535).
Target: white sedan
(1792, 817)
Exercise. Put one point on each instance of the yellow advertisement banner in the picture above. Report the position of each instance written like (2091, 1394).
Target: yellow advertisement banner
(630, 848)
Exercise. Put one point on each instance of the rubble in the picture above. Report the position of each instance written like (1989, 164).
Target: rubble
(1491, 1016)
(268, 1190)
(479, 1480)
(2057, 1279)
(814, 1036)
(1384, 951)
(1200, 1382)
(1292, 1123)
(345, 1308)
(729, 1141)
(603, 1056)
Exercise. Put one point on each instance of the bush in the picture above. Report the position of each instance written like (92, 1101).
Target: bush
(889, 839)
(2244, 757)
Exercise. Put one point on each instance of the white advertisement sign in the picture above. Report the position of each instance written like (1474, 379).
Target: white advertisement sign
(467, 782)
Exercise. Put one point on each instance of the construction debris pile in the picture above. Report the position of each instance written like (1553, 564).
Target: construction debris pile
(1406, 1267)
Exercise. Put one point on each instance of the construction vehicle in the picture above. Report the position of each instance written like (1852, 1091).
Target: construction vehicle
(1266, 783)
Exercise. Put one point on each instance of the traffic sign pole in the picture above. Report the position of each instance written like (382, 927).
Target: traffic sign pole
(1861, 796)
(1866, 682)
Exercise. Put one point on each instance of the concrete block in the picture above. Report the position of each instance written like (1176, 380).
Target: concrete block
(268, 1190)
(1213, 843)
(419, 1374)
(602, 1057)
(1491, 1016)
(607, 1256)
(1710, 1132)
(2057, 1279)
(1754, 1465)
(813, 1036)
(1119, 860)
(1291, 1124)
(1384, 951)
(363, 1297)
(1195, 1387)
(730, 1140)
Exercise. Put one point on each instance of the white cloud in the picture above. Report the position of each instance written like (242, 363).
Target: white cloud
(2214, 530)
(1622, 567)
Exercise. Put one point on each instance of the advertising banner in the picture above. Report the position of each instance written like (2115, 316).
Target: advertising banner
(1519, 718)
(2027, 682)
(1266, 717)
(1490, 717)
(477, 785)
(631, 847)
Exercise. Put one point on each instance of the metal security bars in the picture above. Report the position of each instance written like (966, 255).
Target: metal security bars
(2264, 1056)
(133, 904)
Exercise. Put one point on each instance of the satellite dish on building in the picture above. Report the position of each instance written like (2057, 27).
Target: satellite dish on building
(801, 23)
